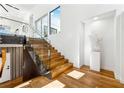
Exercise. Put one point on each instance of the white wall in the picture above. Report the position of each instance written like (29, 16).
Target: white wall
(119, 68)
(67, 41)
(81, 43)
(104, 28)
(121, 48)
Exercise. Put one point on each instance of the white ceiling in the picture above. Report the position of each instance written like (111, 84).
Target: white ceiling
(26, 10)
(30, 8)
(25, 7)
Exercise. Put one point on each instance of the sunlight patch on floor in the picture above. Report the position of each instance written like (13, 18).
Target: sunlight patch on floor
(24, 84)
(76, 74)
(54, 84)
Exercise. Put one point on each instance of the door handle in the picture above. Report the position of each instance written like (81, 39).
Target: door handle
(7, 67)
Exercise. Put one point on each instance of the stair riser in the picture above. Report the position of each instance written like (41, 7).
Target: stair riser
(41, 45)
(57, 64)
(45, 52)
(43, 48)
(52, 56)
(58, 58)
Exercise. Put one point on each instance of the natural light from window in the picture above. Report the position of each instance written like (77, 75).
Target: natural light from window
(55, 20)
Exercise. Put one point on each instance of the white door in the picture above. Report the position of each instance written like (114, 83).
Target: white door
(6, 69)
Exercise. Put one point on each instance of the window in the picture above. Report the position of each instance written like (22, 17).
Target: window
(38, 33)
(42, 24)
(55, 21)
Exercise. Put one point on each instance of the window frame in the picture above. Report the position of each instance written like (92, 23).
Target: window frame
(49, 20)
(40, 19)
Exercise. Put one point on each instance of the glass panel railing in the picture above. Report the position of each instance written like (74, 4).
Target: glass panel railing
(42, 52)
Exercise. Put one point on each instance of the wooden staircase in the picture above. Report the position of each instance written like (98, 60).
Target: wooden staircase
(57, 63)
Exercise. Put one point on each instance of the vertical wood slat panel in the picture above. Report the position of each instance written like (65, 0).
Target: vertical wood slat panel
(21, 61)
(13, 64)
(16, 62)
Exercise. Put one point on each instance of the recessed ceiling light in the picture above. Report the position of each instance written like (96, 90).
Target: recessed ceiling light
(95, 18)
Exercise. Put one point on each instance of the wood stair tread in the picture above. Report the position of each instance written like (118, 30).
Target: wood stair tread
(53, 55)
(46, 58)
(43, 47)
(54, 59)
(45, 52)
(39, 50)
(57, 63)
(60, 69)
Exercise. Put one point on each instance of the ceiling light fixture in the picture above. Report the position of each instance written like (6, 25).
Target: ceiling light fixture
(95, 18)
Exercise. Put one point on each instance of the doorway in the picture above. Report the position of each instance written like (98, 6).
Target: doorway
(4, 66)
(99, 41)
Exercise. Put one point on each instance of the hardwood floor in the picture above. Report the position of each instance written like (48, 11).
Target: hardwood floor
(12, 83)
(102, 72)
(91, 79)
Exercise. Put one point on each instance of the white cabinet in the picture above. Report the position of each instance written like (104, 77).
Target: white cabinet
(95, 61)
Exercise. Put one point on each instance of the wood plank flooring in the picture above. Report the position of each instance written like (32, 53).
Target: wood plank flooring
(12, 83)
(91, 79)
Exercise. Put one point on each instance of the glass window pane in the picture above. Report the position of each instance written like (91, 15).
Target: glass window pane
(38, 25)
(45, 26)
(38, 29)
(55, 21)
